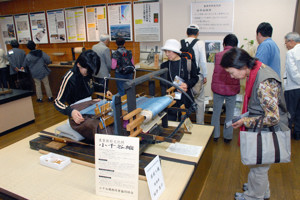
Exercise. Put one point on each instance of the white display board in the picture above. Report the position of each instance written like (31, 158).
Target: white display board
(7, 28)
(38, 27)
(146, 21)
(117, 166)
(96, 21)
(22, 28)
(75, 23)
(213, 16)
(120, 20)
(56, 26)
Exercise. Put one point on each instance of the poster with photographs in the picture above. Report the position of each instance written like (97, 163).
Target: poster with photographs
(96, 22)
(146, 21)
(22, 27)
(150, 55)
(211, 48)
(56, 26)
(120, 20)
(75, 23)
(7, 28)
(38, 27)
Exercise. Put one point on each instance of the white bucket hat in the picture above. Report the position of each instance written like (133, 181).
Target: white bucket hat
(172, 45)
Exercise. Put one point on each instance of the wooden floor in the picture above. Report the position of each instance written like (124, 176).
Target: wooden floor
(226, 175)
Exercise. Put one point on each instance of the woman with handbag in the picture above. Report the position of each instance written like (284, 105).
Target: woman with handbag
(263, 97)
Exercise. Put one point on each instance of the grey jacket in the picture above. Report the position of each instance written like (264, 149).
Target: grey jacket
(37, 62)
(104, 53)
(16, 59)
(254, 107)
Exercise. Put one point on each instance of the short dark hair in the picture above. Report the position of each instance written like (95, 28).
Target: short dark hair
(31, 45)
(192, 31)
(14, 44)
(120, 41)
(230, 40)
(89, 60)
(237, 58)
(265, 29)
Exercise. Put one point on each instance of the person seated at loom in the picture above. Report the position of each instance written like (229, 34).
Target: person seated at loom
(77, 84)
(178, 68)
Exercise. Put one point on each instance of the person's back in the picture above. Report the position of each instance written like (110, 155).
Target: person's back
(123, 71)
(267, 51)
(15, 57)
(200, 61)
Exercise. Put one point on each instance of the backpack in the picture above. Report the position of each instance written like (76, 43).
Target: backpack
(124, 64)
(187, 50)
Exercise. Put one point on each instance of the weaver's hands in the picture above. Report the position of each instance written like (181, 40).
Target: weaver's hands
(77, 117)
(184, 86)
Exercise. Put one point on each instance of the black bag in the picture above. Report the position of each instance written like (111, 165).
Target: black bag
(187, 50)
(124, 64)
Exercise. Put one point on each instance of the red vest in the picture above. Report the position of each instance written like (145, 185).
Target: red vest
(222, 83)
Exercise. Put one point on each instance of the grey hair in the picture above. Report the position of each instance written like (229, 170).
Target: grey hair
(294, 36)
(104, 37)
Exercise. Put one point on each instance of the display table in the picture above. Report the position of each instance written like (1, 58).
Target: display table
(16, 109)
(22, 174)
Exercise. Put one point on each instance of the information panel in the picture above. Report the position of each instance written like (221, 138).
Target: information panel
(38, 27)
(56, 26)
(7, 28)
(75, 23)
(22, 26)
(120, 20)
(146, 21)
(96, 21)
(213, 16)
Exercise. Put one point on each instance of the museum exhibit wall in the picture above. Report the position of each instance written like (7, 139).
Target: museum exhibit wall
(175, 17)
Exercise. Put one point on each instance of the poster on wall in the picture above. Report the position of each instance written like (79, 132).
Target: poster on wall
(22, 28)
(96, 22)
(211, 48)
(120, 20)
(75, 23)
(146, 21)
(7, 28)
(56, 26)
(38, 27)
(213, 16)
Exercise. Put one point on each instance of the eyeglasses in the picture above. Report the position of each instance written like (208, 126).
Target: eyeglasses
(287, 41)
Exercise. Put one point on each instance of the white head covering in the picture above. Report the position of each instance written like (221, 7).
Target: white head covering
(193, 26)
(172, 45)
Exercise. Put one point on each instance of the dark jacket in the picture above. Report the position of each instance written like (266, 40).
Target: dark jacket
(74, 87)
(16, 58)
(222, 83)
(173, 67)
(37, 62)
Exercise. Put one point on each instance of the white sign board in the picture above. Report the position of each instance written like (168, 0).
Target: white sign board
(38, 27)
(155, 178)
(213, 16)
(117, 166)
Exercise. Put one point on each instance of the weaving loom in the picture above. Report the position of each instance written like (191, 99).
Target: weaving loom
(130, 115)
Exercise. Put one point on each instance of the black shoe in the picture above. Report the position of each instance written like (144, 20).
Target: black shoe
(296, 136)
(216, 139)
(227, 140)
(50, 99)
(39, 100)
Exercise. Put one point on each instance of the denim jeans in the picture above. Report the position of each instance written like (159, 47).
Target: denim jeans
(120, 84)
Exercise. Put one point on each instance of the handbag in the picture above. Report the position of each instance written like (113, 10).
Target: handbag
(265, 147)
(198, 86)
